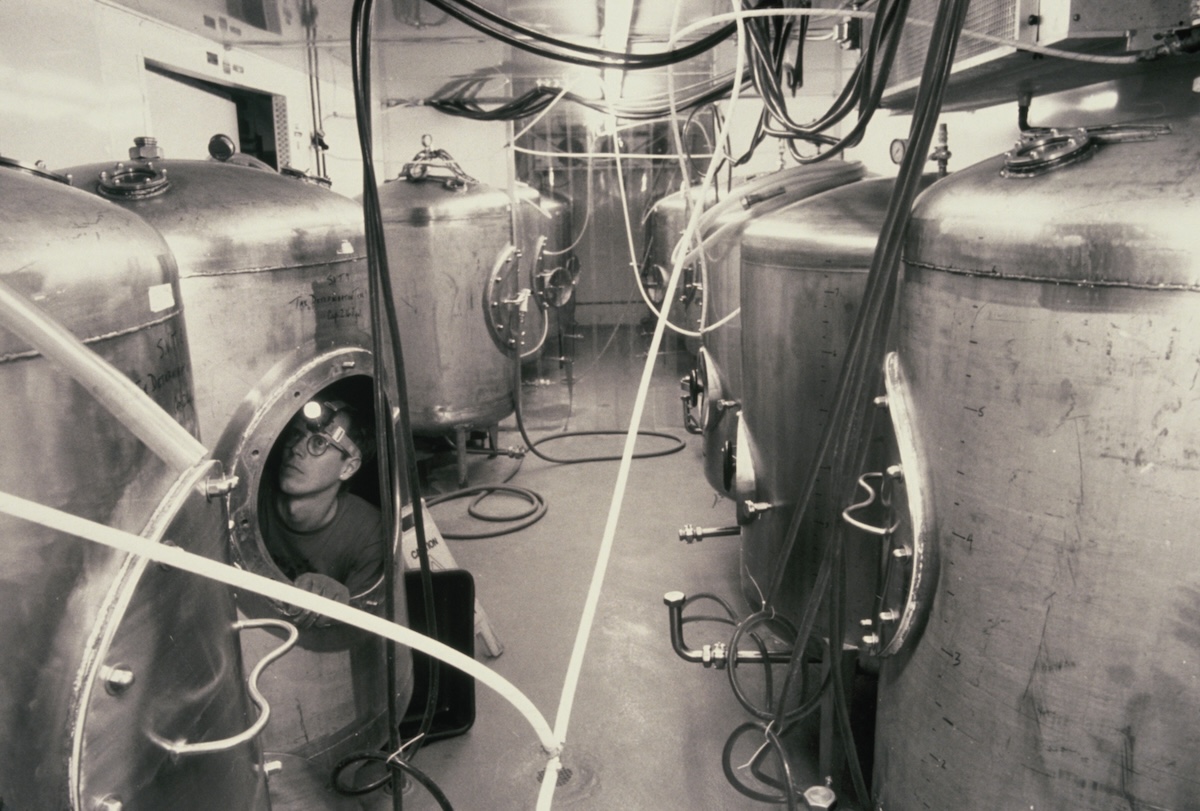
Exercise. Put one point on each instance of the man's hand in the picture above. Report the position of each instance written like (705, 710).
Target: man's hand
(326, 587)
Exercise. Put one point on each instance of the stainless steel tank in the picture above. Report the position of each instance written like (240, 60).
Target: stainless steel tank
(274, 286)
(804, 270)
(271, 269)
(1049, 347)
(718, 374)
(109, 663)
(446, 242)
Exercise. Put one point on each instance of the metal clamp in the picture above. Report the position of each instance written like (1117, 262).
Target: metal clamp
(179, 748)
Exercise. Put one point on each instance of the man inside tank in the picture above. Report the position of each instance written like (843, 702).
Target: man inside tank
(326, 539)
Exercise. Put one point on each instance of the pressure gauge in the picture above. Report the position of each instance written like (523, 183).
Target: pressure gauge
(897, 149)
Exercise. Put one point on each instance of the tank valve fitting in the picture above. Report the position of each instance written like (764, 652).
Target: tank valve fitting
(941, 153)
(219, 486)
(692, 387)
(145, 148)
(117, 679)
(690, 533)
(753, 508)
(715, 654)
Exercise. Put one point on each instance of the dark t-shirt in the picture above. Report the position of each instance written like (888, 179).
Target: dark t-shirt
(349, 549)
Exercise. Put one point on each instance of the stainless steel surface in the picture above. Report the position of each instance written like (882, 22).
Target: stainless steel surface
(1047, 326)
(271, 269)
(273, 281)
(720, 276)
(98, 650)
(183, 721)
(804, 270)
(441, 246)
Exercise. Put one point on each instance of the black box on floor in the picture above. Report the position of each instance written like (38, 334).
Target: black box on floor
(454, 610)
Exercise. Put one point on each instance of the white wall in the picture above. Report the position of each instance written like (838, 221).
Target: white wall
(74, 89)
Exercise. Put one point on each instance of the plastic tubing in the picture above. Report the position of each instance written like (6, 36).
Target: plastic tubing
(575, 665)
(275, 590)
(117, 393)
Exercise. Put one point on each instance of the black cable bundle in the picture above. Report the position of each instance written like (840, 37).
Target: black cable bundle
(536, 42)
(845, 434)
(536, 100)
(863, 91)
(397, 438)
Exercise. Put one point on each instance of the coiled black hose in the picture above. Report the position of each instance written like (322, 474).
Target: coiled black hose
(394, 765)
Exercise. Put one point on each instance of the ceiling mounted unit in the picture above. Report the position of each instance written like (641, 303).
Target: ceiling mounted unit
(990, 68)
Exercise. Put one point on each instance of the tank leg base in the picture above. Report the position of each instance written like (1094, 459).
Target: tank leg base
(460, 449)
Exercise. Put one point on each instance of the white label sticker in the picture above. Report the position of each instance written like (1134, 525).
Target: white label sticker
(345, 247)
(162, 297)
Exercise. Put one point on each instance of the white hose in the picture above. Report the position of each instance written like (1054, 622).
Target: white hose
(275, 590)
(567, 700)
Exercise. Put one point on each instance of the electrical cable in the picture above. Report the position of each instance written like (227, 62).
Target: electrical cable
(517, 35)
(535, 512)
(394, 765)
(866, 346)
(532, 445)
(776, 745)
(386, 345)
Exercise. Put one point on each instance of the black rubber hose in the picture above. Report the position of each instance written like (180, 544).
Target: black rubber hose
(497, 26)
(395, 765)
(776, 745)
(385, 337)
(535, 512)
(532, 446)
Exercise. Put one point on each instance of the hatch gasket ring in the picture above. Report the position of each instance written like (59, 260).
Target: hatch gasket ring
(134, 181)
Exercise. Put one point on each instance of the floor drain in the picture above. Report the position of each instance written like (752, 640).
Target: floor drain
(564, 776)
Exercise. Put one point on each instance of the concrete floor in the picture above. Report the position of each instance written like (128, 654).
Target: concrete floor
(647, 728)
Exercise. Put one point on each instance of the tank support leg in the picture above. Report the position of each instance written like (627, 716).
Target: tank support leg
(460, 448)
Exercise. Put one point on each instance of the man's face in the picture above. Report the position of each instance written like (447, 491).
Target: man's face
(303, 473)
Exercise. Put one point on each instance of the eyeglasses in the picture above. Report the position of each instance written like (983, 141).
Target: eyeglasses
(315, 444)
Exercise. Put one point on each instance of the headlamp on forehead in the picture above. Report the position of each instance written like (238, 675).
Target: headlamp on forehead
(318, 419)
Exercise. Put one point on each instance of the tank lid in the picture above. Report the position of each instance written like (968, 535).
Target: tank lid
(436, 164)
(1123, 217)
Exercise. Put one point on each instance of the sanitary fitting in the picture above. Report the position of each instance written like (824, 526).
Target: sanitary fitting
(755, 507)
(715, 654)
(145, 148)
(219, 486)
(690, 533)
